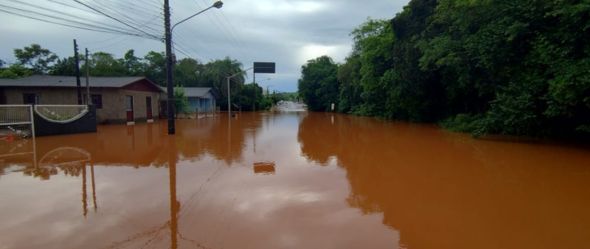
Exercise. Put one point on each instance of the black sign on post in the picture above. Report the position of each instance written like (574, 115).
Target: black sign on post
(264, 67)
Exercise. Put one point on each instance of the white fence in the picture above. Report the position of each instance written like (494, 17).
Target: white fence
(12, 116)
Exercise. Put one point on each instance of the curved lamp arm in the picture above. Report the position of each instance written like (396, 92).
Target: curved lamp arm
(217, 4)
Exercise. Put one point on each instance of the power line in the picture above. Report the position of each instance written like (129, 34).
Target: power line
(55, 17)
(114, 12)
(70, 25)
(71, 6)
(116, 19)
(140, 8)
(70, 15)
(229, 35)
(182, 40)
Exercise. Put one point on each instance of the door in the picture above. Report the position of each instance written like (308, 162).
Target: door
(129, 108)
(148, 107)
(30, 99)
(163, 109)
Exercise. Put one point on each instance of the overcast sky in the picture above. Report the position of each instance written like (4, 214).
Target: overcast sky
(288, 32)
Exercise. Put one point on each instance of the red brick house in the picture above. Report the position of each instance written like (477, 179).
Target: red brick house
(117, 99)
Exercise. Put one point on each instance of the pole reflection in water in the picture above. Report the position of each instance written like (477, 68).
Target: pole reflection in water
(335, 181)
(84, 199)
(174, 204)
(93, 187)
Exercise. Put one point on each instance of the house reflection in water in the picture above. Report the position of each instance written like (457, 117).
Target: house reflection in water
(139, 146)
(134, 146)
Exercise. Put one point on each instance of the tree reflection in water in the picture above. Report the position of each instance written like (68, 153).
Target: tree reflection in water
(444, 190)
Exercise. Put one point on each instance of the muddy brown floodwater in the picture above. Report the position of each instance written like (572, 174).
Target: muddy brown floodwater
(301, 180)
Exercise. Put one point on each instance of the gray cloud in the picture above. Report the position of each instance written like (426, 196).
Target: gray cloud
(288, 32)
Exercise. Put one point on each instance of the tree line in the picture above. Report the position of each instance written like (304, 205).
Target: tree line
(486, 67)
(188, 72)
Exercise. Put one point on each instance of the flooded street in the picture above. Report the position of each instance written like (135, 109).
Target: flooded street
(291, 180)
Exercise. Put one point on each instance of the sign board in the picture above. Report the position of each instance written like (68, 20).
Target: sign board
(264, 67)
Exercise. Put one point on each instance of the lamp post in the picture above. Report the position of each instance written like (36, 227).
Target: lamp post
(228, 90)
(169, 62)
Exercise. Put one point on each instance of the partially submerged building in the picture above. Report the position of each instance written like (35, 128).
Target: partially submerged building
(200, 99)
(117, 99)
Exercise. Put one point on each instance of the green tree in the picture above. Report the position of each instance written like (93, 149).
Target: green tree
(65, 66)
(133, 65)
(186, 73)
(15, 71)
(35, 57)
(250, 96)
(349, 77)
(318, 85)
(371, 56)
(215, 74)
(155, 67)
(104, 64)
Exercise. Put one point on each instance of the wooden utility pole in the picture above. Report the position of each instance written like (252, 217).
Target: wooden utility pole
(77, 73)
(169, 69)
(88, 99)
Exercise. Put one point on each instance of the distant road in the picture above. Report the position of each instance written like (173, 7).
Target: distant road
(290, 106)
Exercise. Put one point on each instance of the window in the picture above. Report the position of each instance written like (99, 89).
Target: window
(30, 99)
(96, 100)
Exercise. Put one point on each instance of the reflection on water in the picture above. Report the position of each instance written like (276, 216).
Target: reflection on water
(264, 168)
(444, 190)
(330, 181)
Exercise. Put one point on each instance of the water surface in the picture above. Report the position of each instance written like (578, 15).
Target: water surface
(291, 181)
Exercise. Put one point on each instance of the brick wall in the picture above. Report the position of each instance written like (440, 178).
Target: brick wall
(113, 101)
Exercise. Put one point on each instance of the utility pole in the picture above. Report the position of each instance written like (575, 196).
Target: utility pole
(77, 73)
(255, 89)
(88, 99)
(169, 68)
(228, 99)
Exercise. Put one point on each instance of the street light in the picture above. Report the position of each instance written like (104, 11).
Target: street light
(229, 92)
(217, 4)
(169, 63)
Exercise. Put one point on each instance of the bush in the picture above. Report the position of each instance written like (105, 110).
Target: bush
(180, 100)
(468, 123)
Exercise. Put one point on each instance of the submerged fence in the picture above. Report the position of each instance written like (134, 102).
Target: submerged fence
(17, 120)
(42, 120)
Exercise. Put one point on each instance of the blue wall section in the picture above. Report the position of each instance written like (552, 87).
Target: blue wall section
(203, 105)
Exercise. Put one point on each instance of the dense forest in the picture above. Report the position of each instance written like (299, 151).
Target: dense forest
(486, 67)
(188, 72)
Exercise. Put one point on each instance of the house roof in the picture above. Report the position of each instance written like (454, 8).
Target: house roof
(69, 81)
(194, 91)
